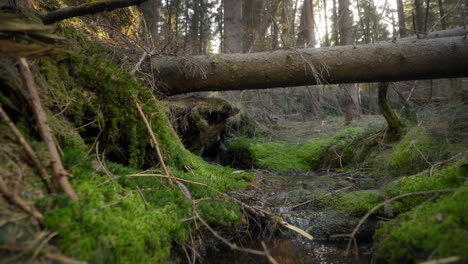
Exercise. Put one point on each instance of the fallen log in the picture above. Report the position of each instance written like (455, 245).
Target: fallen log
(93, 7)
(405, 60)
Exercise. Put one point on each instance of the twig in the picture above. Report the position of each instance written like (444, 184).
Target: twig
(256, 211)
(28, 149)
(143, 198)
(352, 235)
(443, 260)
(233, 246)
(48, 254)
(15, 198)
(57, 167)
(155, 142)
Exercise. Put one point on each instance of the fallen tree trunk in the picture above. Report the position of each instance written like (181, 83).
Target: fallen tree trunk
(93, 7)
(406, 60)
(448, 33)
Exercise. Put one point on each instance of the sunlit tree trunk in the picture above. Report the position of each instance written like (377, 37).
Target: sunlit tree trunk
(401, 19)
(306, 35)
(351, 104)
(325, 11)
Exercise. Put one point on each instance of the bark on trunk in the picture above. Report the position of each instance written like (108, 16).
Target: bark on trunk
(232, 26)
(306, 35)
(442, 15)
(401, 19)
(406, 60)
(86, 9)
(351, 104)
(395, 125)
(419, 19)
(461, 31)
(150, 11)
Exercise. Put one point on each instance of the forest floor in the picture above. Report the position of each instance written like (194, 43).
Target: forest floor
(324, 177)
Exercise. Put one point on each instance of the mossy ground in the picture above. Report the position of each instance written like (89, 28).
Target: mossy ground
(432, 225)
(91, 99)
(312, 154)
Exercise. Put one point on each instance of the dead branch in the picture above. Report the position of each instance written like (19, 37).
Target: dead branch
(28, 149)
(251, 209)
(47, 253)
(46, 134)
(443, 260)
(352, 235)
(87, 9)
(16, 199)
(233, 246)
(171, 178)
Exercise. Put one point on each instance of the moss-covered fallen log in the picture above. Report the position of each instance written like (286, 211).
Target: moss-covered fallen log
(406, 60)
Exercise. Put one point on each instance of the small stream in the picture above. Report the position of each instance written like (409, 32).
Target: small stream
(297, 198)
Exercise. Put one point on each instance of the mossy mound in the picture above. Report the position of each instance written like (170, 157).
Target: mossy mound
(437, 229)
(427, 225)
(414, 153)
(283, 157)
(90, 99)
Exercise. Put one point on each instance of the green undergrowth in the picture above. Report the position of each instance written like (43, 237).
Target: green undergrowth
(435, 229)
(283, 157)
(427, 225)
(91, 99)
(113, 222)
(415, 151)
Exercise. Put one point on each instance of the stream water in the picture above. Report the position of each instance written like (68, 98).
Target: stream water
(297, 199)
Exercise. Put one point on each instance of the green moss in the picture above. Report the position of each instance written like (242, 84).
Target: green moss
(110, 222)
(283, 156)
(358, 203)
(233, 68)
(414, 151)
(438, 229)
(450, 176)
(290, 58)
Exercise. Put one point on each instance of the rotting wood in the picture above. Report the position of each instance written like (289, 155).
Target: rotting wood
(46, 134)
(405, 60)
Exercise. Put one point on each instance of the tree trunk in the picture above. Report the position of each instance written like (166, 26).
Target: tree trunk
(335, 33)
(306, 35)
(150, 11)
(405, 60)
(351, 104)
(443, 25)
(395, 125)
(325, 11)
(232, 26)
(401, 19)
(461, 31)
(419, 19)
(86, 9)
